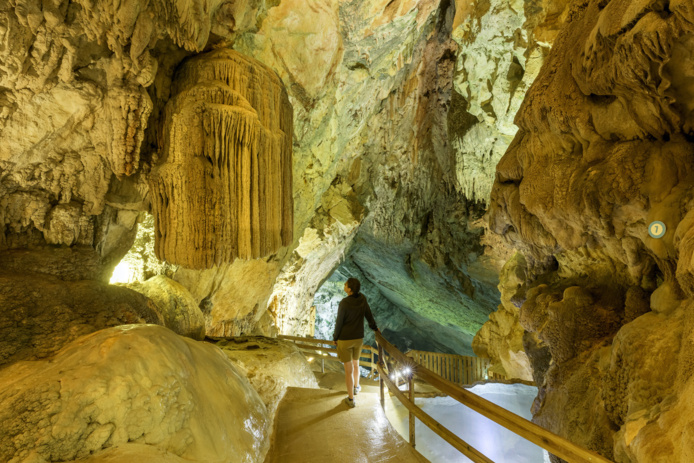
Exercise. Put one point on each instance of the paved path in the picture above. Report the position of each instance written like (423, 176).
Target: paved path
(316, 426)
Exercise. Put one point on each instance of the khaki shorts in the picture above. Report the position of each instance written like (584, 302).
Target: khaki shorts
(349, 350)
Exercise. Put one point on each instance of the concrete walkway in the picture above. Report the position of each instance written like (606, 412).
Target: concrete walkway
(316, 426)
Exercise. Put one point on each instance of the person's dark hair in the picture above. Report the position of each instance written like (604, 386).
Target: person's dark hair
(354, 285)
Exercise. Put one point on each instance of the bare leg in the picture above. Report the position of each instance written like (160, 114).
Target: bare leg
(356, 374)
(349, 379)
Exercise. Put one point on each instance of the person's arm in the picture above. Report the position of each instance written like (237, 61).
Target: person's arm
(338, 321)
(370, 318)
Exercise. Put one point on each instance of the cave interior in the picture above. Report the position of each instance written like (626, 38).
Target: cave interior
(510, 180)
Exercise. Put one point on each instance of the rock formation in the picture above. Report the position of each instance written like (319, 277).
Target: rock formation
(40, 313)
(130, 385)
(271, 366)
(501, 338)
(223, 188)
(176, 305)
(604, 149)
(75, 109)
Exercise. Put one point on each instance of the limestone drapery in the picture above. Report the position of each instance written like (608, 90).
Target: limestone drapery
(224, 187)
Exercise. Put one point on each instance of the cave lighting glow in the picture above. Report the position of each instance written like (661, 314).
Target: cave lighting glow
(494, 441)
(123, 273)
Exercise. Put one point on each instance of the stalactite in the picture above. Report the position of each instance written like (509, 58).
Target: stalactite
(224, 186)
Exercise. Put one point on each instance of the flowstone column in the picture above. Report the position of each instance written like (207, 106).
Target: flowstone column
(223, 188)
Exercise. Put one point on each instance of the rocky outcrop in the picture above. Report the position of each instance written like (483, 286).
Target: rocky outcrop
(176, 305)
(271, 366)
(41, 313)
(231, 296)
(501, 338)
(223, 188)
(131, 384)
(604, 148)
(502, 45)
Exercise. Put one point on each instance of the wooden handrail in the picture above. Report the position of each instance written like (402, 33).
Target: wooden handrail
(330, 347)
(462, 446)
(319, 341)
(551, 442)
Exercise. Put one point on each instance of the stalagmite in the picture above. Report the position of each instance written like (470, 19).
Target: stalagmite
(223, 188)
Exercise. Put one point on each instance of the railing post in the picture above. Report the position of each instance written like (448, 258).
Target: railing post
(373, 363)
(411, 389)
(380, 376)
(322, 365)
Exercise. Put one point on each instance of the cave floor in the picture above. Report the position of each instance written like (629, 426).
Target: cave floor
(316, 426)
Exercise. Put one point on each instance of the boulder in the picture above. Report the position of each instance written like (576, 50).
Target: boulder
(176, 305)
(140, 384)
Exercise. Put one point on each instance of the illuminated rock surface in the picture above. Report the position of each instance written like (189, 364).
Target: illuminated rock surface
(131, 384)
(604, 148)
(501, 338)
(222, 188)
(176, 305)
(271, 366)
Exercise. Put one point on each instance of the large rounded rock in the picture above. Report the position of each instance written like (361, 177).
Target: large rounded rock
(178, 307)
(138, 384)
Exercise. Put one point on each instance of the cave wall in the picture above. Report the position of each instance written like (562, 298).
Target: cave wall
(604, 148)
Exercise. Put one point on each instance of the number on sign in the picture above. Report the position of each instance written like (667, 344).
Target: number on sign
(657, 229)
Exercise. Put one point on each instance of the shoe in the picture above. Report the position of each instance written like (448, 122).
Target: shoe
(357, 390)
(351, 403)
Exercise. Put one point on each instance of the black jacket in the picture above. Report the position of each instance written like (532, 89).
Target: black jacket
(350, 318)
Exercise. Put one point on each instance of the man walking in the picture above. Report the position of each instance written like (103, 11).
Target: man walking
(349, 334)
